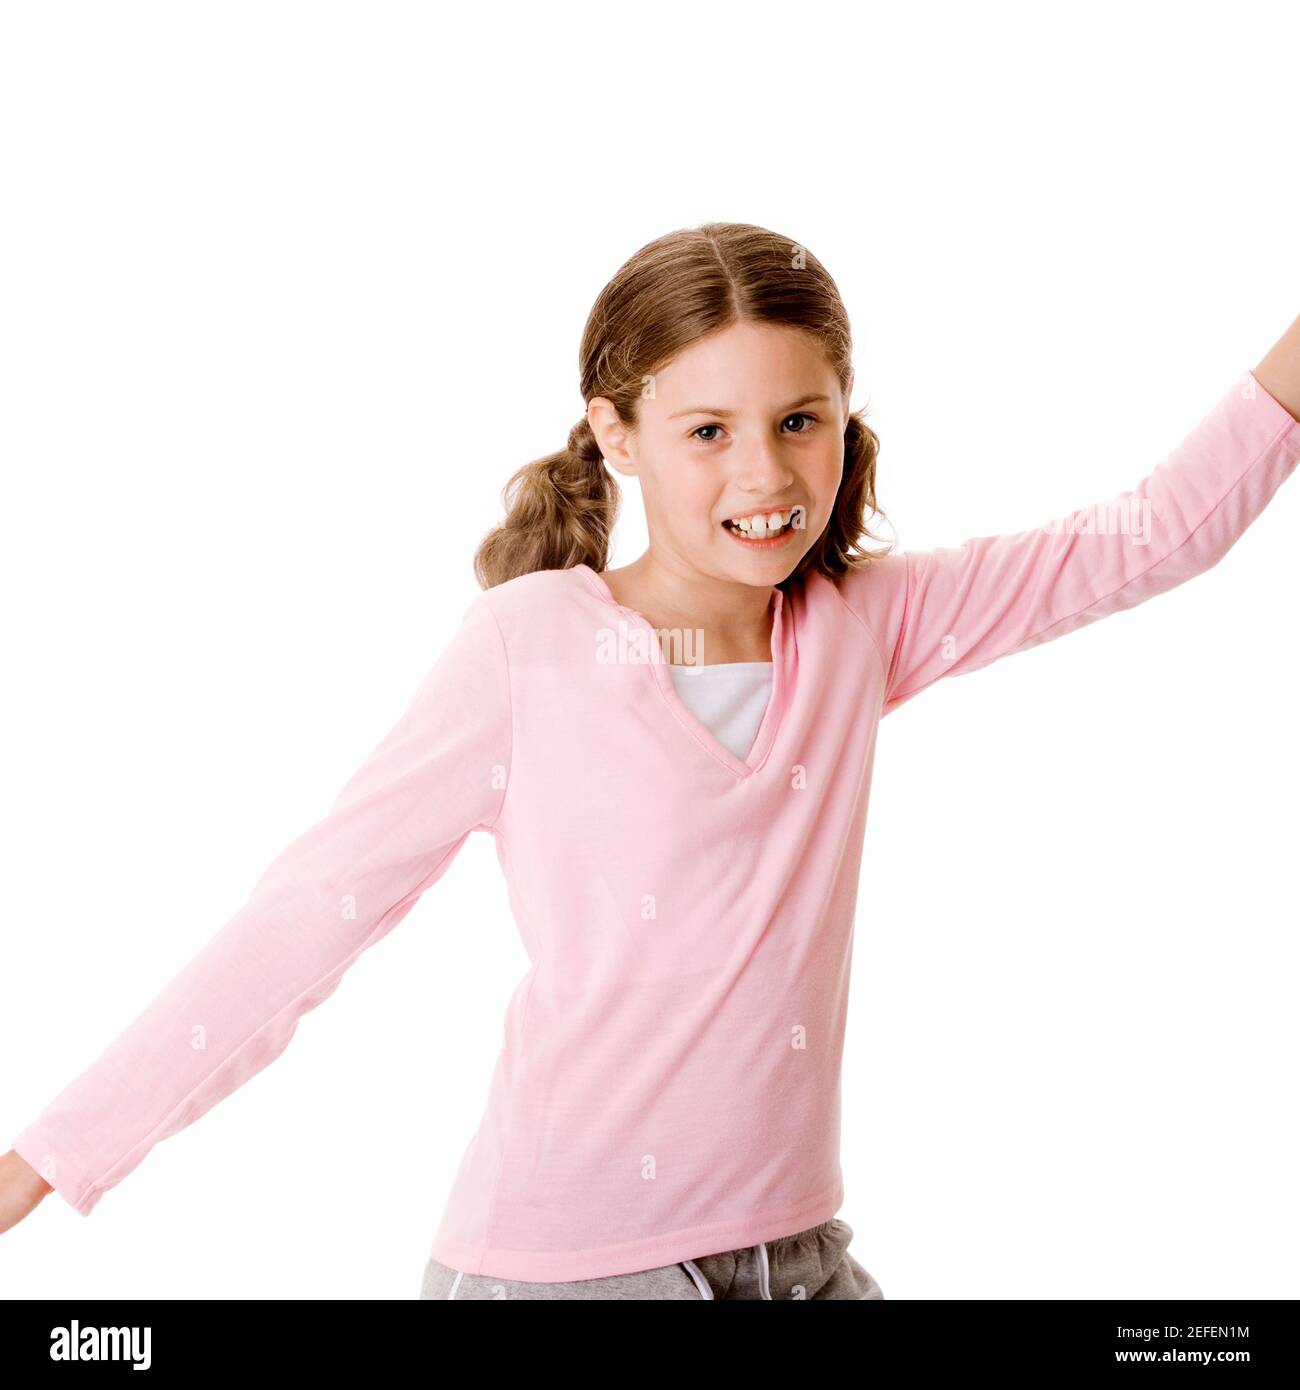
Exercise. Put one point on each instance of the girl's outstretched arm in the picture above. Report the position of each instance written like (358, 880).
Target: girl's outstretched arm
(952, 610)
(393, 830)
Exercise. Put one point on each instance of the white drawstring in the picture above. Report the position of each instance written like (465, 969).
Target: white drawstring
(764, 1274)
(701, 1283)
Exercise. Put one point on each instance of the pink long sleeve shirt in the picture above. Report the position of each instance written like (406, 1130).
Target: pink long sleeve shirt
(669, 1080)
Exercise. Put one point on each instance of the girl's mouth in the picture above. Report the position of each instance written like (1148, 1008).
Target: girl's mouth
(767, 530)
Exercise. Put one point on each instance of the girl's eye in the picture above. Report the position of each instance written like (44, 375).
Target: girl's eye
(798, 415)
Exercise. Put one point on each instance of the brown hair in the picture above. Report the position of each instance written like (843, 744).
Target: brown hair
(561, 509)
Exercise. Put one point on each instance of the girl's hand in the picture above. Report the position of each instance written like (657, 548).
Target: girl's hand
(21, 1188)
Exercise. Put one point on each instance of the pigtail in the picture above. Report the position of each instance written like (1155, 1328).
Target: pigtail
(560, 512)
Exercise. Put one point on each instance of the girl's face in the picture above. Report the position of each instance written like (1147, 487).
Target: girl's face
(747, 422)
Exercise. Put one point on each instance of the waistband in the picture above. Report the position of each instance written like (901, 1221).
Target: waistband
(809, 1234)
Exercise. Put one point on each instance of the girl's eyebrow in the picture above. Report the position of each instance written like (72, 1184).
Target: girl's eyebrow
(718, 410)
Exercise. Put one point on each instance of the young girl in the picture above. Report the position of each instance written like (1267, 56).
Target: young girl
(674, 759)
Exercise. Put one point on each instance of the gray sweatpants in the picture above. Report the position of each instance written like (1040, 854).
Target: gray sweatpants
(812, 1264)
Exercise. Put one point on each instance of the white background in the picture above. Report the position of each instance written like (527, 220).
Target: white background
(290, 290)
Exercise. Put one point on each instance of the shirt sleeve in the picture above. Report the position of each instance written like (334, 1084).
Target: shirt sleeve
(393, 830)
(952, 610)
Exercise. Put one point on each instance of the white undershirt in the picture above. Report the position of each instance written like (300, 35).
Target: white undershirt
(729, 698)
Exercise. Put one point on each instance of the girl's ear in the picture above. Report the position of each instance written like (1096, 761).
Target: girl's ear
(611, 435)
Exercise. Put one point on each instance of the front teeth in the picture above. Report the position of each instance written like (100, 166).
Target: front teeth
(762, 526)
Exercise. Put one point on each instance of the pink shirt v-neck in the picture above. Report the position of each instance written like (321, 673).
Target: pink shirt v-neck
(669, 1081)
(729, 698)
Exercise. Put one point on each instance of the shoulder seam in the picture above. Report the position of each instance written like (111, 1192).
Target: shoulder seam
(504, 649)
(902, 628)
(863, 624)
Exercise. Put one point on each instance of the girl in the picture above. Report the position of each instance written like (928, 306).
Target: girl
(674, 759)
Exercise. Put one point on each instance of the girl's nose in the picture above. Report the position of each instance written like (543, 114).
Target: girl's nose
(762, 473)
